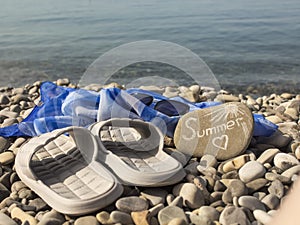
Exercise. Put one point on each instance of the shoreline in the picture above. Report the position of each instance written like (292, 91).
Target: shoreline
(225, 197)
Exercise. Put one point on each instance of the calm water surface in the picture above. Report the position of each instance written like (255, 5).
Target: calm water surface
(243, 42)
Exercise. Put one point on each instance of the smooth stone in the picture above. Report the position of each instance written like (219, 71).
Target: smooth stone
(6, 158)
(9, 121)
(153, 88)
(192, 168)
(285, 161)
(262, 216)
(235, 188)
(297, 152)
(5, 179)
(6, 220)
(8, 114)
(215, 137)
(256, 184)
(155, 209)
(274, 119)
(276, 188)
(251, 171)
(190, 96)
(170, 212)
(52, 218)
(155, 196)
(233, 215)
(287, 95)
(19, 97)
(273, 176)
(209, 212)
(208, 161)
(291, 171)
(4, 192)
(177, 221)
(195, 89)
(235, 163)
(23, 216)
(131, 204)
(191, 194)
(86, 220)
(4, 99)
(17, 143)
(268, 155)
(120, 217)
(140, 218)
(293, 113)
(200, 220)
(38, 203)
(251, 203)
(17, 186)
(103, 217)
(63, 81)
(170, 94)
(227, 98)
(271, 201)
(3, 144)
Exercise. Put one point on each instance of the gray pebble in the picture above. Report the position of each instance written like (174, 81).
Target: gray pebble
(256, 184)
(274, 176)
(285, 161)
(6, 158)
(4, 99)
(251, 171)
(155, 196)
(277, 189)
(4, 192)
(233, 215)
(251, 203)
(38, 203)
(120, 217)
(271, 201)
(208, 212)
(262, 216)
(268, 155)
(170, 212)
(131, 204)
(3, 144)
(191, 194)
(86, 220)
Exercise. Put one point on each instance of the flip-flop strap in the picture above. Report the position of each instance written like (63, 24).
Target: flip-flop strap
(146, 130)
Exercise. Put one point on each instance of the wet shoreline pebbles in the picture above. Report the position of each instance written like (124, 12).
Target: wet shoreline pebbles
(246, 189)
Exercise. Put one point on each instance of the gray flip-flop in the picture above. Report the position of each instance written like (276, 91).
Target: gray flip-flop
(133, 150)
(63, 171)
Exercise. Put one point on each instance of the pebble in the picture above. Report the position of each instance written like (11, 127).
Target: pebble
(267, 156)
(207, 161)
(6, 220)
(285, 161)
(52, 218)
(291, 171)
(103, 217)
(233, 215)
(170, 212)
(4, 99)
(38, 203)
(251, 203)
(271, 201)
(155, 196)
(177, 221)
(256, 184)
(273, 176)
(23, 216)
(235, 163)
(262, 216)
(63, 81)
(4, 192)
(140, 218)
(178, 201)
(120, 217)
(227, 98)
(6, 158)
(274, 119)
(191, 194)
(276, 188)
(86, 220)
(131, 204)
(251, 171)
(3, 144)
(235, 188)
(209, 212)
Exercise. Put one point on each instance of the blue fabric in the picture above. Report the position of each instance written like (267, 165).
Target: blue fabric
(61, 107)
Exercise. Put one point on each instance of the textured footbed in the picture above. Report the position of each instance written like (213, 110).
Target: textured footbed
(60, 165)
(129, 145)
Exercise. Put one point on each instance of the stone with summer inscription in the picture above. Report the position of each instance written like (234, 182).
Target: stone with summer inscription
(223, 131)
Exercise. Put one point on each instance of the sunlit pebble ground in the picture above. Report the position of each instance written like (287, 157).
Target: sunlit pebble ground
(207, 195)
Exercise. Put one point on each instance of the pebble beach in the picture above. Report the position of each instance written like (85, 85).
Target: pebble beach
(247, 189)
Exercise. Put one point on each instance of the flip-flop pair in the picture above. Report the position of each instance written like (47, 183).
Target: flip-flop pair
(78, 170)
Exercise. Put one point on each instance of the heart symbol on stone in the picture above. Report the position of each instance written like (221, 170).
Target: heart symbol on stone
(221, 142)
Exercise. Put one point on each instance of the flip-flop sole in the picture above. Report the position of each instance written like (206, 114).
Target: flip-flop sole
(223, 131)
